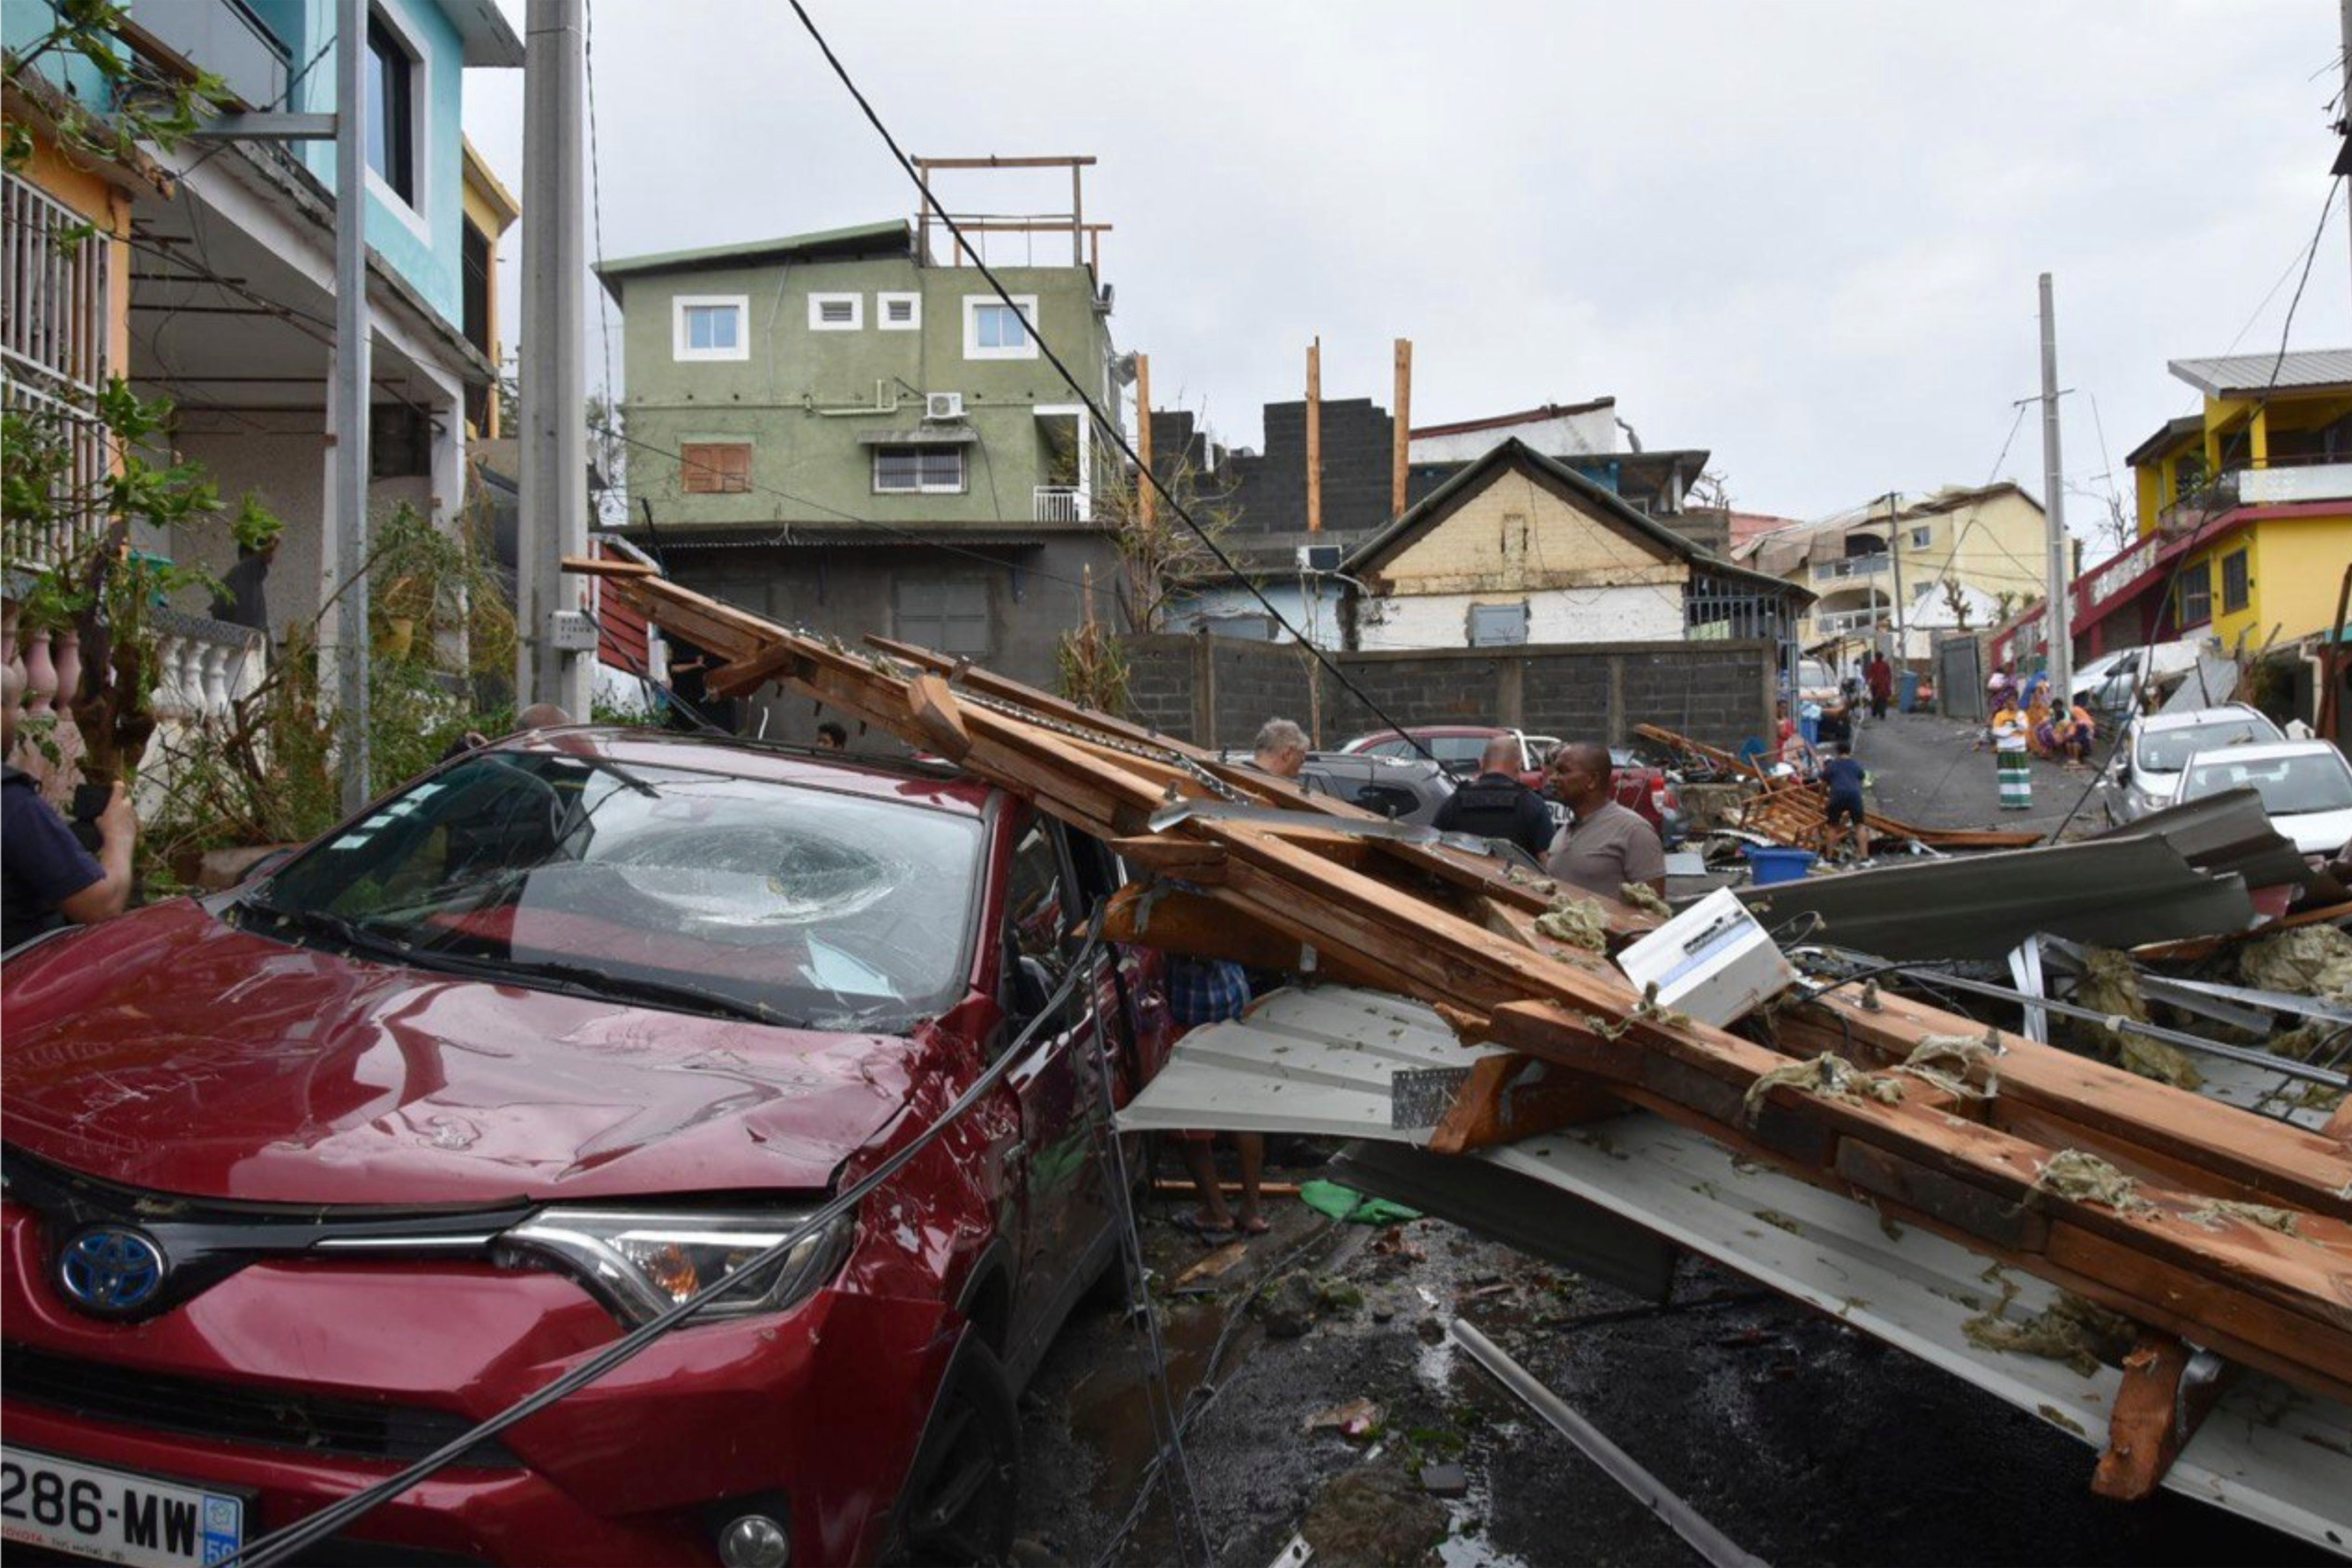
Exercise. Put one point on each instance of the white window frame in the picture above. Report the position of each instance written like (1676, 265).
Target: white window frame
(856, 303)
(914, 322)
(963, 470)
(412, 215)
(1026, 304)
(681, 304)
(1922, 538)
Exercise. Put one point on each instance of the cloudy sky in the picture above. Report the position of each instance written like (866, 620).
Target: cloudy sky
(1804, 236)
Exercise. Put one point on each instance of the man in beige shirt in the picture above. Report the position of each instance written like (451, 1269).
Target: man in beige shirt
(1604, 845)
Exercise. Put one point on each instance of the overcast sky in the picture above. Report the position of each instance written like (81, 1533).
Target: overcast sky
(1802, 235)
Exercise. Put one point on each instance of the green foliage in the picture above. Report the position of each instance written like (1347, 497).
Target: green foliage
(150, 103)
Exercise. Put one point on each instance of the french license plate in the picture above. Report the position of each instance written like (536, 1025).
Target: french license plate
(112, 1516)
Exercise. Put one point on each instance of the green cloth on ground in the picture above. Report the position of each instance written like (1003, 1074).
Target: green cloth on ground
(1348, 1203)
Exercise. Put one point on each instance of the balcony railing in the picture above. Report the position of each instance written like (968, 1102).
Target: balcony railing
(2282, 485)
(1850, 620)
(1850, 566)
(1059, 503)
(223, 36)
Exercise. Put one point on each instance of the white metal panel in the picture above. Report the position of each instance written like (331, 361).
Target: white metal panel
(1321, 1061)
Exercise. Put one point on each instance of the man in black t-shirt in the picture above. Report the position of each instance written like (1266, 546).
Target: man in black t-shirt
(1843, 776)
(1495, 804)
(47, 879)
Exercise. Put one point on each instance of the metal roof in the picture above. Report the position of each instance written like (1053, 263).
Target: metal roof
(892, 237)
(1324, 1061)
(2250, 375)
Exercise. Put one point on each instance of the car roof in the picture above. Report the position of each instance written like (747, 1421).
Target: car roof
(2225, 713)
(913, 782)
(2268, 751)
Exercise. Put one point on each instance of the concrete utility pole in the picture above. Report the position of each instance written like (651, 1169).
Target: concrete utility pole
(2057, 621)
(2344, 105)
(1895, 550)
(355, 328)
(556, 641)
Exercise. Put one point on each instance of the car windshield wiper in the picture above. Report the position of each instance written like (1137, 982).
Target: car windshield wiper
(321, 922)
(598, 982)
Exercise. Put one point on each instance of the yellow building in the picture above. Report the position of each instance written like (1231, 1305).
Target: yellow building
(2250, 496)
(491, 211)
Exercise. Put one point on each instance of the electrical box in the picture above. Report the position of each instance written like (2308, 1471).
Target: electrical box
(1712, 962)
(571, 631)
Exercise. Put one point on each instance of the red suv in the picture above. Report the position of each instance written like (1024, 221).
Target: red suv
(1640, 787)
(305, 1179)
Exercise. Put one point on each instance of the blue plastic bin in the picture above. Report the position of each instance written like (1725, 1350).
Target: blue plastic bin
(1771, 866)
(1906, 690)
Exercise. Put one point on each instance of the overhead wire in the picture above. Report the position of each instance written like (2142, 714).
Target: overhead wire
(2213, 509)
(1102, 421)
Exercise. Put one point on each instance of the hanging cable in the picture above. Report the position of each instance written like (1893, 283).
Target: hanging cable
(1102, 421)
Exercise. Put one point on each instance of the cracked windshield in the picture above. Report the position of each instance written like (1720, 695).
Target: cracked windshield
(730, 895)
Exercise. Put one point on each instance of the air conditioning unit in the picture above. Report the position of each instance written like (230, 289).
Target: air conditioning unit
(943, 405)
(1318, 557)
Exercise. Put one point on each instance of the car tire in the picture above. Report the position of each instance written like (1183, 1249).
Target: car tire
(959, 1501)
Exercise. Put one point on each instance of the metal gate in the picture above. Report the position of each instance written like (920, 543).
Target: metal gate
(1959, 677)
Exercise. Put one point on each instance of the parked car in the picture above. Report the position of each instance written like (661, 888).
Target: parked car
(305, 1179)
(1459, 748)
(2155, 747)
(2111, 683)
(1407, 789)
(1640, 786)
(2306, 785)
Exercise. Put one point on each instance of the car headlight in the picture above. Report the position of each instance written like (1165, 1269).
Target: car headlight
(642, 1263)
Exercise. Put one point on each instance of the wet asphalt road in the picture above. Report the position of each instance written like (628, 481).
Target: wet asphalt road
(1802, 1440)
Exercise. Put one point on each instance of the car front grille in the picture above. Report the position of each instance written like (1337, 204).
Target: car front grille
(237, 1412)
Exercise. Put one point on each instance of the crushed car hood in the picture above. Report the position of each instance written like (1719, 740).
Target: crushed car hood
(170, 1051)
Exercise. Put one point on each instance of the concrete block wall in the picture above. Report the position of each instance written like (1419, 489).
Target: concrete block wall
(1215, 691)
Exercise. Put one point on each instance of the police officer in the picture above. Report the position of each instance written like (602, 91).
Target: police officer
(1495, 804)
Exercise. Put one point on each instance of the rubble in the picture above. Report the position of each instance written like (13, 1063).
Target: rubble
(2309, 961)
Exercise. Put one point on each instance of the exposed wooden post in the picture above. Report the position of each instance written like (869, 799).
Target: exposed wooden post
(922, 212)
(1315, 436)
(1146, 502)
(1403, 436)
(1078, 215)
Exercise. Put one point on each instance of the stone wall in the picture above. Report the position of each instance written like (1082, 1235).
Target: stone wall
(1215, 691)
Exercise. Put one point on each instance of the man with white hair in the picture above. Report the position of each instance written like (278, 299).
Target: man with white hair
(1280, 749)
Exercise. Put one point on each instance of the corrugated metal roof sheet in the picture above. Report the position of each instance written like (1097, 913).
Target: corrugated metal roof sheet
(2250, 374)
(860, 239)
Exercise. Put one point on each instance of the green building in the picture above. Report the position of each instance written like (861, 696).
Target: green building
(828, 431)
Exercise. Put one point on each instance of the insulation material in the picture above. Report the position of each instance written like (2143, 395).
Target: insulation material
(2309, 961)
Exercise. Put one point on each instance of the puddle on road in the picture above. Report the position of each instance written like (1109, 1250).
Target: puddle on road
(1109, 1408)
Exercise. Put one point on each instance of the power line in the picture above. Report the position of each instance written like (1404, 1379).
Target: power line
(1102, 420)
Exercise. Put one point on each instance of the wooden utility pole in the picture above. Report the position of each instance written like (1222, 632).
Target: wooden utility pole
(1315, 436)
(1403, 439)
(1146, 502)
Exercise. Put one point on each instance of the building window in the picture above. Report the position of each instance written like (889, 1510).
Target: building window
(710, 326)
(2195, 600)
(1498, 625)
(836, 313)
(926, 470)
(53, 330)
(715, 468)
(993, 330)
(946, 616)
(392, 110)
(2237, 582)
(1922, 537)
(898, 313)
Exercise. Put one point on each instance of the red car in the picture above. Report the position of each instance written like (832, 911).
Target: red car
(306, 1180)
(1640, 787)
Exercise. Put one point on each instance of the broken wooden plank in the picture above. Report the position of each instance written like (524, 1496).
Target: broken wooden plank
(2157, 1411)
(1496, 1106)
(940, 717)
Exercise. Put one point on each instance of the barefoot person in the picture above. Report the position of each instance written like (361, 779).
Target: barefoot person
(1210, 991)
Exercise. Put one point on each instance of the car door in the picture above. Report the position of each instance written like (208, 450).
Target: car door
(1056, 1081)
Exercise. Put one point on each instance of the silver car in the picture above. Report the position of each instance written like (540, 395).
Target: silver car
(2146, 774)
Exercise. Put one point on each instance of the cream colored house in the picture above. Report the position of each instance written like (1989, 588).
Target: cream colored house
(1895, 567)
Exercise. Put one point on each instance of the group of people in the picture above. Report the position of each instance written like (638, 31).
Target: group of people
(1604, 845)
(2030, 720)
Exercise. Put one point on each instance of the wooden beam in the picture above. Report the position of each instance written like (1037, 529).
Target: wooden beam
(2157, 1411)
(1147, 500)
(1400, 468)
(1493, 1106)
(940, 716)
(1315, 436)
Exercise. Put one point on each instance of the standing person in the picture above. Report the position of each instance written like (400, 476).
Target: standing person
(47, 879)
(1604, 845)
(1881, 676)
(1845, 778)
(1495, 804)
(2012, 763)
(1203, 991)
(1280, 749)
